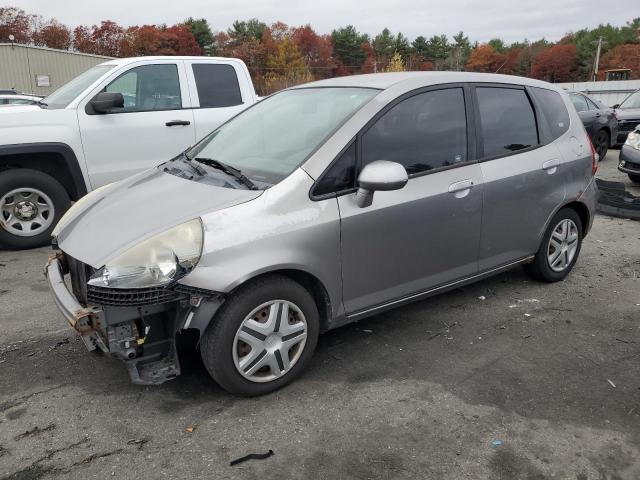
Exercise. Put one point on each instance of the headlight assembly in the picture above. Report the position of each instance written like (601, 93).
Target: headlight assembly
(633, 140)
(155, 262)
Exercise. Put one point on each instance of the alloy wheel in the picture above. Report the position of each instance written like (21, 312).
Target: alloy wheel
(26, 212)
(563, 245)
(270, 341)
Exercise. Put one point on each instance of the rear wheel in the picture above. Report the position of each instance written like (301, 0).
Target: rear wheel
(560, 248)
(263, 336)
(601, 144)
(634, 178)
(31, 203)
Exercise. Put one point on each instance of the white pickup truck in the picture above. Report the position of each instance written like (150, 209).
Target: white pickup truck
(116, 119)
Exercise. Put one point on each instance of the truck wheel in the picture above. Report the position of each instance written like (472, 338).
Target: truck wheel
(262, 337)
(31, 203)
(634, 178)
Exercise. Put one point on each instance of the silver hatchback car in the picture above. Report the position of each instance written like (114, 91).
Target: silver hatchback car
(321, 205)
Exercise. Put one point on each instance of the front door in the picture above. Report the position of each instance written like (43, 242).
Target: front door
(151, 128)
(426, 234)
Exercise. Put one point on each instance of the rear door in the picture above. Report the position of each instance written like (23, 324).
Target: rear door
(426, 234)
(154, 125)
(523, 173)
(218, 91)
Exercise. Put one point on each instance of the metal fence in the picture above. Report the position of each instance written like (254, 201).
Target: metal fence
(609, 93)
(41, 70)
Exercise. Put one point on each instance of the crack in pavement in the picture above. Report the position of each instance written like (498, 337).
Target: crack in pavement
(37, 471)
(7, 404)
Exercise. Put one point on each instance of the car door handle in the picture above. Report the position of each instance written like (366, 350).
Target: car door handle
(597, 114)
(461, 188)
(173, 123)
(550, 166)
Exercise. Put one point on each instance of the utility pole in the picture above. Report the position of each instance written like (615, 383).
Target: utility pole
(596, 64)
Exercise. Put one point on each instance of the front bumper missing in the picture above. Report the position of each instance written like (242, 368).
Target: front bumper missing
(138, 332)
(86, 321)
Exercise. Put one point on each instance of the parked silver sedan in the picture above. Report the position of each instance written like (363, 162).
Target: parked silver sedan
(321, 205)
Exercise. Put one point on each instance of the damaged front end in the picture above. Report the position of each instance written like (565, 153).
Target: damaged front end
(135, 325)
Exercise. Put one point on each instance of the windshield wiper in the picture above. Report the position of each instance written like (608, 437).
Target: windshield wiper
(229, 170)
(42, 104)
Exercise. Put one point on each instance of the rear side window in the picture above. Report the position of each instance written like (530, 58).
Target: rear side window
(554, 110)
(217, 85)
(340, 176)
(508, 120)
(423, 132)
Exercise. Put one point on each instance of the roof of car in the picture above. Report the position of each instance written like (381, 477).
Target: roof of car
(386, 80)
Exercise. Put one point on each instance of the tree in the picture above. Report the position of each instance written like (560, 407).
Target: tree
(200, 30)
(498, 45)
(178, 40)
(315, 49)
(16, 22)
(104, 39)
(459, 52)
(437, 50)
(53, 35)
(483, 58)
(383, 46)
(244, 30)
(286, 62)
(622, 56)
(558, 63)
(348, 47)
(396, 64)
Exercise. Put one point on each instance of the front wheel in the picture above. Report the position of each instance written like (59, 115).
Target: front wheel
(634, 178)
(262, 337)
(31, 203)
(560, 248)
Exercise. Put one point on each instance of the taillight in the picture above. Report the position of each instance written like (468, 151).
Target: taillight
(594, 158)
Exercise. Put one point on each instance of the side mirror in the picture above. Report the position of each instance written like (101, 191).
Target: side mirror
(104, 102)
(379, 175)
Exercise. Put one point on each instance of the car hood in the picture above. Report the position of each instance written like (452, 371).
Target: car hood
(627, 113)
(118, 216)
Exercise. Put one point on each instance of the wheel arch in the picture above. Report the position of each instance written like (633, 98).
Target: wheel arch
(57, 160)
(580, 208)
(311, 283)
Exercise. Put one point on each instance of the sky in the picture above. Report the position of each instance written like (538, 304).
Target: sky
(511, 20)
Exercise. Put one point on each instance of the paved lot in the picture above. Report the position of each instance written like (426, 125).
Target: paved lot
(550, 371)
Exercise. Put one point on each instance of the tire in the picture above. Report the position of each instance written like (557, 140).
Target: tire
(43, 200)
(225, 354)
(542, 268)
(634, 178)
(601, 143)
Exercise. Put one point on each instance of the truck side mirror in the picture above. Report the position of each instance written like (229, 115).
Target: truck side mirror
(380, 175)
(104, 102)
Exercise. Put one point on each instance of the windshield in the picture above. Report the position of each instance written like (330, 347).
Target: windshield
(268, 141)
(632, 101)
(69, 91)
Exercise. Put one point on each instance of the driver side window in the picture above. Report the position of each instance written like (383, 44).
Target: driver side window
(149, 88)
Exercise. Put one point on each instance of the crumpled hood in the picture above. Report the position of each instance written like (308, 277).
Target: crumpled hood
(127, 212)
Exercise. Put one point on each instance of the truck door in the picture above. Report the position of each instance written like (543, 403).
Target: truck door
(154, 125)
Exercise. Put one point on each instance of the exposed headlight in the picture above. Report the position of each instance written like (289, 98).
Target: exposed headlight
(68, 216)
(155, 262)
(633, 140)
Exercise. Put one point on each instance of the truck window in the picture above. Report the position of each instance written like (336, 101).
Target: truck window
(149, 88)
(217, 85)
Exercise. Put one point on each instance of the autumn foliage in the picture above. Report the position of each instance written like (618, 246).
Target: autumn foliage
(279, 55)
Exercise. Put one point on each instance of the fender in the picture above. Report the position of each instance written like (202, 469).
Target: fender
(77, 187)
